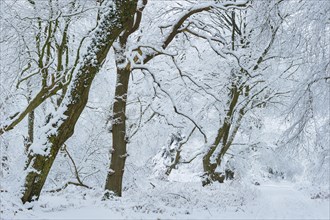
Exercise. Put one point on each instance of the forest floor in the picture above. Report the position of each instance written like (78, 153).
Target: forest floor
(177, 200)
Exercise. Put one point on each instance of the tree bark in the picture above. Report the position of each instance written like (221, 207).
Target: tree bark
(61, 126)
(223, 133)
(119, 141)
(30, 137)
(118, 151)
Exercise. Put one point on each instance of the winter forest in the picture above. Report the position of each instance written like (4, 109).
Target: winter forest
(165, 109)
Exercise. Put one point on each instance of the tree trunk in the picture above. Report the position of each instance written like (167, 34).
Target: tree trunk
(210, 174)
(223, 133)
(29, 139)
(119, 141)
(61, 126)
(118, 151)
(114, 180)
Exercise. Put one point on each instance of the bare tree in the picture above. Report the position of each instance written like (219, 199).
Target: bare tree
(125, 65)
(232, 35)
(115, 18)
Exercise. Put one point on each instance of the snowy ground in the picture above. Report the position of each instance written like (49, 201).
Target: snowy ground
(272, 200)
(284, 201)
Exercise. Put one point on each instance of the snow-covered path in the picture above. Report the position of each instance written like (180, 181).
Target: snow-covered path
(284, 201)
(280, 200)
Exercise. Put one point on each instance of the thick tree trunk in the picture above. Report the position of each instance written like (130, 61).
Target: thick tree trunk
(61, 126)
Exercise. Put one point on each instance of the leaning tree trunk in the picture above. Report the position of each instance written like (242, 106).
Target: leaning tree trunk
(61, 126)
